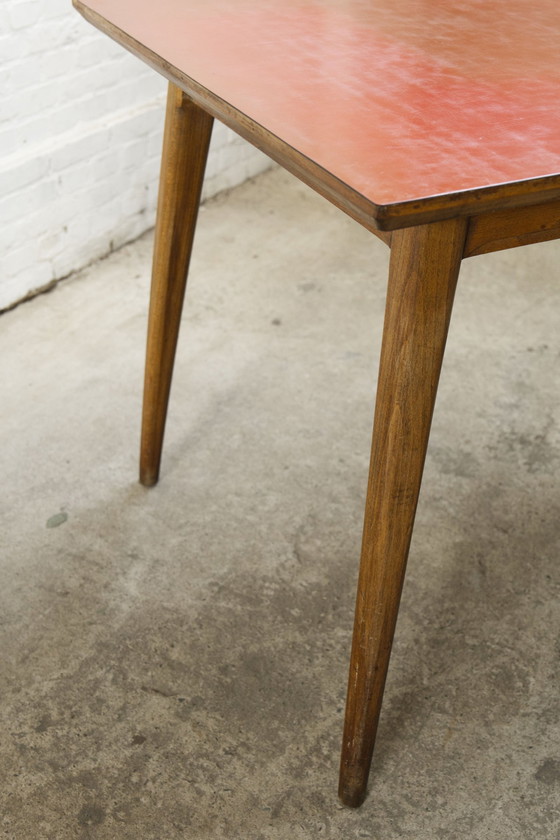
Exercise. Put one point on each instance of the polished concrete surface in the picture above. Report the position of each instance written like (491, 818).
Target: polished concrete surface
(173, 661)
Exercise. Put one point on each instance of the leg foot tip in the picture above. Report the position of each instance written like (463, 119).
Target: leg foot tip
(352, 797)
(148, 479)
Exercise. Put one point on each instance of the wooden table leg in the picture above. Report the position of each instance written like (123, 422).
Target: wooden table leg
(423, 275)
(185, 148)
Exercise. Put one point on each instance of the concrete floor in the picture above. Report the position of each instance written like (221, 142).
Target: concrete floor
(174, 660)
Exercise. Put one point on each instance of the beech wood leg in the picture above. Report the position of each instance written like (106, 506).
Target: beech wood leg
(185, 148)
(423, 275)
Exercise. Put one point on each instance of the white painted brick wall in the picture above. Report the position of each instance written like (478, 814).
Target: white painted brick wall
(80, 140)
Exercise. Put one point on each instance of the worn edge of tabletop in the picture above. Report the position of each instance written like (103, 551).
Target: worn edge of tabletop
(376, 217)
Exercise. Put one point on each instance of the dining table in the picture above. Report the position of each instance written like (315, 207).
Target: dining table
(435, 124)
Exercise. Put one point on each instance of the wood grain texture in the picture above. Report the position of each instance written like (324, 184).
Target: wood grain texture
(185, 148)
(423, 274)
(512, 228)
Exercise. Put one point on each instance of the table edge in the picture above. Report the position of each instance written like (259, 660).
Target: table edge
(375, 217)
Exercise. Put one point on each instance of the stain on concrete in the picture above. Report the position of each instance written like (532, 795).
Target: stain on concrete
(57, 519)
(549, 772)
(91, 815)
(44, 724)
(87, 779)
(533, 448)
(455, 461)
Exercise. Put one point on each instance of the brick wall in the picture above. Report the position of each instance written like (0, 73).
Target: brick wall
(80, 141)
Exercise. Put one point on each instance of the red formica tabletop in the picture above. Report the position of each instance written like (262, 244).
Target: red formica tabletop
(400, 100)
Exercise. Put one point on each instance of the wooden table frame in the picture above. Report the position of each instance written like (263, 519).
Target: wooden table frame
(423, 273)
(428, 240)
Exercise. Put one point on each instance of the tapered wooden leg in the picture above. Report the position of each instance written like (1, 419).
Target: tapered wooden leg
(185, 149)
(423, 274)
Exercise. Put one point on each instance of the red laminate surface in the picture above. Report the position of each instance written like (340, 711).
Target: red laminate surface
(399, 99)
